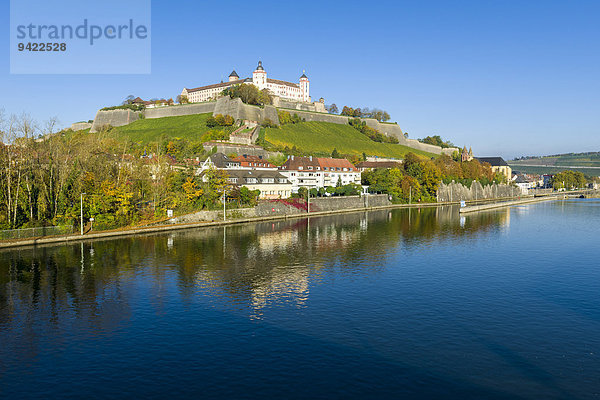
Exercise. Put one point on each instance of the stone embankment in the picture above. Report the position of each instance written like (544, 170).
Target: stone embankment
(502, 204)
(287, 208)
(264, 212)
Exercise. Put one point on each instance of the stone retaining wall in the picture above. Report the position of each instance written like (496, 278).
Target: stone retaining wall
(277, 208)
(458, 192)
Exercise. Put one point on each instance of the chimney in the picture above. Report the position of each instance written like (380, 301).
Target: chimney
(310, 158)
(292, 157)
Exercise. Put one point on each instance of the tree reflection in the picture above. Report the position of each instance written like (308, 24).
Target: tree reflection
(253, 265)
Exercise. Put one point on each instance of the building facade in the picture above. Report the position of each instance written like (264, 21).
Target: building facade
(314, 172)
(498, 165)
(286, 90)
(270, 183)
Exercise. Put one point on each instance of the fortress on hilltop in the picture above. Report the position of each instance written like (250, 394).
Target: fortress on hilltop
(288, 97)
(298, 92)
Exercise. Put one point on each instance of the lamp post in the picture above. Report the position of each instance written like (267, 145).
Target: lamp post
(81, 211)
(224, 211)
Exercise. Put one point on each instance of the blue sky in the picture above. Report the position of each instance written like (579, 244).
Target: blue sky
(508, 78)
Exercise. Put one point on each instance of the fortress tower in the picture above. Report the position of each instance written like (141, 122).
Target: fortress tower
(233, 76)
(304, 87)
(259, 77)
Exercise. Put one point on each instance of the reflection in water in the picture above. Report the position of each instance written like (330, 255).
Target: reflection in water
(391, 303)
(252, 264)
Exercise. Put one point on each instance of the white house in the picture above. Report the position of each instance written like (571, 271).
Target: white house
(315, 172)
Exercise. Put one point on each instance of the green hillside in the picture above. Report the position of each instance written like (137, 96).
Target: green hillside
(317, 138)
(320, 138)
(144, 131)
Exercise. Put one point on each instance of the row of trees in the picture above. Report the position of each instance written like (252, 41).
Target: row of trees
(250, 94)
(43, 181)
(436, 140)
(419, 178)
(287, 118)
(379, 115)
(569, 180)
(219, 120)
(371, 133)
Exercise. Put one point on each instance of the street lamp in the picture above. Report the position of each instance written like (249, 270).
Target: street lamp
(224, 211)
(81, 210)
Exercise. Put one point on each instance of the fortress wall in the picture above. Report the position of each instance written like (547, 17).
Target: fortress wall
(228, 148)
(456, 191)
(227, 106)
(114, 118)
(175, 111)
(297, 105)
(270, 112)
(240, 111)
(309, 116)
(79, 126)
(252, 113)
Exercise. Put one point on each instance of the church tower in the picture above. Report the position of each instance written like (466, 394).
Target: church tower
(259, 77)
(305, 87)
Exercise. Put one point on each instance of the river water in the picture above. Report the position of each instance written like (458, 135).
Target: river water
(418, 303)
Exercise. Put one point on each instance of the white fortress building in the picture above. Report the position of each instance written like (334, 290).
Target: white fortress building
(285, 90)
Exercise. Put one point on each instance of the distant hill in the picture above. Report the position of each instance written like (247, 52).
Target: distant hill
(588, 163)
(320, 138)
(590, 159)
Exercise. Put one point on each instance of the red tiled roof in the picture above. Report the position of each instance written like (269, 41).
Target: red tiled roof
(335, 163)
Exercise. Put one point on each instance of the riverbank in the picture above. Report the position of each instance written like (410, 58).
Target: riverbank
(52, 240)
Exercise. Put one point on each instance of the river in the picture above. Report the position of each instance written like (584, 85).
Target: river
(406, 303)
